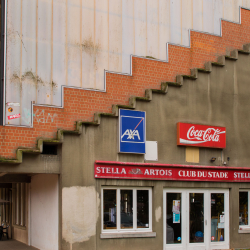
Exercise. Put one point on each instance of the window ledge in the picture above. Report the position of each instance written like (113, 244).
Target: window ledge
(244, 231)
(128, 235)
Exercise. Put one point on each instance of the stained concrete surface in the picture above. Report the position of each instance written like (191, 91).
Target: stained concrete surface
(15, 245)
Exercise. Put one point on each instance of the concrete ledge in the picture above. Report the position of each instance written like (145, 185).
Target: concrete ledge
(244, 231)
(19, 227)
(127, 235)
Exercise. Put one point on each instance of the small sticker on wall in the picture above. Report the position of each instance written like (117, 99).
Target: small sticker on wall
(16, 104)
(10, 117)
(10, 109)
(222, 219)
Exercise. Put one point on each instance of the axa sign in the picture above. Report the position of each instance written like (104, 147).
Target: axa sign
(132, 132)
(201, 135)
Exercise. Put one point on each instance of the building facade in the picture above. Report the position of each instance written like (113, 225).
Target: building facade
(155, 157)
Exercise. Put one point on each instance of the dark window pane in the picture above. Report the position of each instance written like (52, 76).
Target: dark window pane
(173, 218)
(243, 209)
(196, 217)
(142, 209)
(126, 209)
(109, 210)
(217, 217)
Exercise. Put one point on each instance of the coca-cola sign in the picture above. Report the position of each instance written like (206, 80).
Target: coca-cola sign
(201, 135)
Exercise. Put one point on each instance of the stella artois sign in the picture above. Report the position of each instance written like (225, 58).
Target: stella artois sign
(171, 172)
(201, 135)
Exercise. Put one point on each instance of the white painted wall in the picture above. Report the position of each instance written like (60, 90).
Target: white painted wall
(71, 42)
(44, 212)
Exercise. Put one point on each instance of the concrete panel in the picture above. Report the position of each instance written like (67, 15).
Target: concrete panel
(28, 60)
(89, 46)
(14, 57)
(44, 212)
(218, 13)
(208, 20)
(101, 41)
(44, 52)
(164, 27)
(59, 63)
(115, 35)
(74, 25)
(140, 23)
(186, 20)
(198, 14)
(175, 21)
(128, 34)
(152, 28)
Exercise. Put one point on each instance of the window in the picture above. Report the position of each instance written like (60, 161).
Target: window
(19, 204)
(126, 209)
(5, 209)
(244, 198)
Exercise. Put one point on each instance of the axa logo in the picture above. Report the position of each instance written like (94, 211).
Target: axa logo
(132, 129)
(131, 134)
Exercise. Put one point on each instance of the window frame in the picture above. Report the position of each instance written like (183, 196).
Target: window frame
(248, 210)
(118, 202)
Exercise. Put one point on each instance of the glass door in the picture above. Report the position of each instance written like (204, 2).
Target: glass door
(196, 219)
(197, 211)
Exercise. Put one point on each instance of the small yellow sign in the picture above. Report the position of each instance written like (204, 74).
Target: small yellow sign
(10, 109)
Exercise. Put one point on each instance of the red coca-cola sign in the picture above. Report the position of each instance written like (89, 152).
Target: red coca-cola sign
(201, 135)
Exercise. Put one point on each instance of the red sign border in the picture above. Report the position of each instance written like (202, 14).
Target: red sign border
(196, 145)
(120, 164)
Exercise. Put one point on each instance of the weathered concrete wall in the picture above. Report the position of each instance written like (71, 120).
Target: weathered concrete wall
(51, 43)
(45, 164)
(81, 104)
(220, 98)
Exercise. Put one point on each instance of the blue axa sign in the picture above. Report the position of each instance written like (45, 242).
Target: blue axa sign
(132, 131)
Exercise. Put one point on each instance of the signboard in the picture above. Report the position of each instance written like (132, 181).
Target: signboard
(10, 117)
(176, 211)
(147, 171)
(201, 135)
(132, 131)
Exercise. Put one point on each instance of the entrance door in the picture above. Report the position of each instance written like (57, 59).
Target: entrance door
(196, 219)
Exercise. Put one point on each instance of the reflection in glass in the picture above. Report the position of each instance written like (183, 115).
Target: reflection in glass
(196, 217)
(173, 218)
(217, 217)
(142, 209)
(126, 209)
(109, 210)
(243, 209)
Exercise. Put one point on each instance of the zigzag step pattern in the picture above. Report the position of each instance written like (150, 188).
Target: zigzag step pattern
(132, 104)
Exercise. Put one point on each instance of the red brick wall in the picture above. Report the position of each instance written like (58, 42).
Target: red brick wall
(82, 104)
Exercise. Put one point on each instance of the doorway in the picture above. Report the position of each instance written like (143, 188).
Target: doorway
(196, 219)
